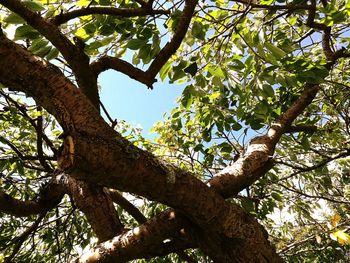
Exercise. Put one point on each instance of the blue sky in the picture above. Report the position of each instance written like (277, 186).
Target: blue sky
(126, 99)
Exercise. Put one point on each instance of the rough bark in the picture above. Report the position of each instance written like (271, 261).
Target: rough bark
(74, 54)
(48, 198)
(97, 207)
(124, 166)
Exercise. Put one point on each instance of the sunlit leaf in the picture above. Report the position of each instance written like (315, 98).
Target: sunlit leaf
(14, 19)
(335, 219)
(341, 237)
(35, 6)
(276, 51)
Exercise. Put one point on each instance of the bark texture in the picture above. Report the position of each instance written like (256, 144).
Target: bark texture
(118, 164)
(96, 158)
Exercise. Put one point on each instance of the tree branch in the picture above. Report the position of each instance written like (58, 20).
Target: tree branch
(314, 196)
(97, 207)
(23, 237)
(140, 218)
(301, 128)
(24, 113)
(313, 167)
(127, 206)
(120, 12)
(48, 198)
(74, 56)
(287, 118)
(126, 167)
(331, 56)
(148, 77)
(171, 47)
(289, 7)
(139, 242)
(257, 159)
(107, 62)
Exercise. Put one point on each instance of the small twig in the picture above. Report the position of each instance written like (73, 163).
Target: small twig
(311, 168)
(120, 12)
(113, 122)
(31, 121)
(313, 196)
(20, 240)
(39, 142)
(301, 128)
(127, 206)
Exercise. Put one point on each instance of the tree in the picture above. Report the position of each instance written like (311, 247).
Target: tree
(262, 126)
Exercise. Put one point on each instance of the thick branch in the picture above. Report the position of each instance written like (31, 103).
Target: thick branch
(127, 206)
(107, 62)
(149, 77)
(140, 218)
(132, 245)
(97, 207)
(301, 128)
(170, 48)
(257, 159)
(48, 198)
(125, 167)
(121, 12)
(74, 56)
(285, 121)
(12, 206)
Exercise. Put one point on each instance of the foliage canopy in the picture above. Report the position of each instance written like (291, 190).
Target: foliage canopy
(263, 122)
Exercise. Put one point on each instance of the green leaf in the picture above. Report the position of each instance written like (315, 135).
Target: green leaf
(207, 135)
(276, 51)
(305, 143)
(276, 196)
(174, 20)
(135, 59)
(236, 126)
(104, 2)
(198, 30)
(3, 164)
(14, 19)
(43, 51)
(81, 33)
(197, 148)
(248, 205)
(52, 54)
(192, 69)
(187, 97)
(225, 147)
(237, 64)
(347, 5)
(135, 44)
(314, 75)
(164, 70)
(106, 30)
(20, 168)
(38, 44)
(34, 6)
(268, 91)
(216, 71)
(83, 3)
(25, 31)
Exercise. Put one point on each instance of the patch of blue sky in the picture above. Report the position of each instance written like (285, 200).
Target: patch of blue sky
(129, 100)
